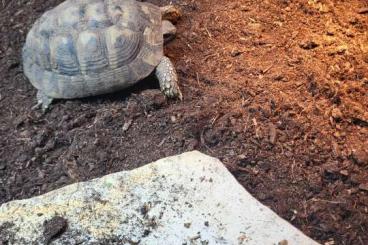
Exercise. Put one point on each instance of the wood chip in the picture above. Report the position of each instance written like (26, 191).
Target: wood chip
(127, 125)
(344, 172)
(308, 45)
(273, 133)
(363, 10)
(363, 187)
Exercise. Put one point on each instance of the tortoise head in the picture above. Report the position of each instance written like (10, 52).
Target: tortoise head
(171, 13)
(170, 16)
(168, 30)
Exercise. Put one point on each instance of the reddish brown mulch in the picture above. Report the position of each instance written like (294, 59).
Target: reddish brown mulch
(277, 89)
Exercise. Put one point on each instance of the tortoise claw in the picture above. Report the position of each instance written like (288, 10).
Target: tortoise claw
(43, 101)
(37, 106)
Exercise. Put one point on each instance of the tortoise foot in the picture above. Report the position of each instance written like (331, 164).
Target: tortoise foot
(43, 101)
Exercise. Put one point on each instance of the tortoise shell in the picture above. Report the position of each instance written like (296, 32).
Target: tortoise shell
(89, 47)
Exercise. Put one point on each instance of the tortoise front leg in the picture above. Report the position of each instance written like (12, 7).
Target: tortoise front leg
(168, 79)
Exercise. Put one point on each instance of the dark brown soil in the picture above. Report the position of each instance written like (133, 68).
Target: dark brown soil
(277, 89)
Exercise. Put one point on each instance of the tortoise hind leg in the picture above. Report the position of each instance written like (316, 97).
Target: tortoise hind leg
(43, 101)
(168, 79)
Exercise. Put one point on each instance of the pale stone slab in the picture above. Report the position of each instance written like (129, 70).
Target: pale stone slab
(185, 199)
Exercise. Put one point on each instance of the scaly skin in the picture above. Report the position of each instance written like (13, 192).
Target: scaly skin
(168, 79)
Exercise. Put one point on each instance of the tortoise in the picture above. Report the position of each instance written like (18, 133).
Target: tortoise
(85, 48)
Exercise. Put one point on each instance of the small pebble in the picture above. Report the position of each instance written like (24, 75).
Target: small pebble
(363, 187)
(344, 172)
(360, 157)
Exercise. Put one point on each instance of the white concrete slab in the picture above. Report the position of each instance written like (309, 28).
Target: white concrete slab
(185, 199)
